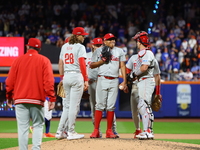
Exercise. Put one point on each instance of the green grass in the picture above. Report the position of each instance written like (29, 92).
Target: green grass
(13, 142)
(122, 127)
(193, 141)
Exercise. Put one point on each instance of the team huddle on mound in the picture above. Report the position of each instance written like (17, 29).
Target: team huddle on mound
(141, 73)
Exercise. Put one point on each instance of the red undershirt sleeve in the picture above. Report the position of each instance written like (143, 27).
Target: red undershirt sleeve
(83, 68)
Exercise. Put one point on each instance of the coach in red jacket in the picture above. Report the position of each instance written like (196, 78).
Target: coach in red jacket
(29, 81)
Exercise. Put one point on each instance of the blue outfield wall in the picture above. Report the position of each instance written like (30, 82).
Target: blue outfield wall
(180, 99)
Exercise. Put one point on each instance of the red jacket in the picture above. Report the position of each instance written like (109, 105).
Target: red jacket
(30, 79)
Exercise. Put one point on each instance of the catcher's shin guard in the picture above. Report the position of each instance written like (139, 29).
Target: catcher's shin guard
(147, 115)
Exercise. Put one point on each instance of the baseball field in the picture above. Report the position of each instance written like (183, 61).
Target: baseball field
(170, 134)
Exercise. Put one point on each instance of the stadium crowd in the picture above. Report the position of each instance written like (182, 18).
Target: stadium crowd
(175, 34)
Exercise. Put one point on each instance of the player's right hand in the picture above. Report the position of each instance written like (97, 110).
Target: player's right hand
(51, 105)
(126, 89)
(86, 85)
(9, 102)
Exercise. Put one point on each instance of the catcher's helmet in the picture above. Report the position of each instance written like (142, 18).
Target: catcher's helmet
(142, 37)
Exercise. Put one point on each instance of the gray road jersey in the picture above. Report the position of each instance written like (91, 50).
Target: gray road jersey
(70, 53)
(131, 64)
(92, 73)
(112, 68)
(148, 59)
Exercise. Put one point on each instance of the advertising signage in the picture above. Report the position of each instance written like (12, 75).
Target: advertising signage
(10, 49)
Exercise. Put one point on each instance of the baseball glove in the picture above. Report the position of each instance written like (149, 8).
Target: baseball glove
(106, 54)
(85, 95)
(157, 103)
(60, 90)
(129, 81)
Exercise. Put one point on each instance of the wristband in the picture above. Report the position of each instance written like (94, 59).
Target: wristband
(61, 77)
(157, 89)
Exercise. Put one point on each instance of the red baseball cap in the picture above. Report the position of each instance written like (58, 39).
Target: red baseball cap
(34, 42)
(97, 41)
(108, 36)
(67, 40)
(79, 31)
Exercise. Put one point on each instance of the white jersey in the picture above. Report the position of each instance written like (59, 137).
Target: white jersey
(92, 73)
(132, 63)
(70, 54)
(112, 68)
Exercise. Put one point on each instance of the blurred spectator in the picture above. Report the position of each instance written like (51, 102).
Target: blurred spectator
(59, 42)
(192, 42)
(195, 70)
(184, 44)
(175, 75)
(181, 75)
(158, 56)
(181, 55)
(188, 76)
(181, 22)
(165, 55)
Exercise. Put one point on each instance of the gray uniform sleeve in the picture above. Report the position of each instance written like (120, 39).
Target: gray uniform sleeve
(95, 55)
(156, 67)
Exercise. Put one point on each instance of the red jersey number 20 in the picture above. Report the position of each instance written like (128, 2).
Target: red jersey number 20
(69, 58)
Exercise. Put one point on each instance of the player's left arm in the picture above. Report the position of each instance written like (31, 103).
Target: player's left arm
(61, 68)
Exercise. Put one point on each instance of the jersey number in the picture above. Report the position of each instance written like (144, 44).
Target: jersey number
(69, 58)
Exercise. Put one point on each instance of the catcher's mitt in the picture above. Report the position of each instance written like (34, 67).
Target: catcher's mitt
(60, 90)
(157, 103)
(85, 95)
(106, 54)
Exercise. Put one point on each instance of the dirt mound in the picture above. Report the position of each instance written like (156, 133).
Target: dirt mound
(126, 142)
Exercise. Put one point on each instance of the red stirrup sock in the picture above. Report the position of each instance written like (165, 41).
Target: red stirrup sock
(97, 119)
(110, 116)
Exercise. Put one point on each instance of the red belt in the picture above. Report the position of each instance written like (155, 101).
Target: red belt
(107, 77)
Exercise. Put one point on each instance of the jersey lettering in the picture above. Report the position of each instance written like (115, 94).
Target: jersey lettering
(69, 58)
(134, 65)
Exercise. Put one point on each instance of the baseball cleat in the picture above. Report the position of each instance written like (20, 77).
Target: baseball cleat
(96, 134)
(60, 135)
(145, 136)
(74, 136)
(110, 134)
(115, 133)
(137, 132)
(49, 135)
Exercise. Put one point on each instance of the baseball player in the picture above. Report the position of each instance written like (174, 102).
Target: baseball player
(47, 117)
(61, 132)
(72, 67)
(134, 92)
(92, 77)
(144, 68)
(107, 84)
